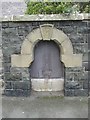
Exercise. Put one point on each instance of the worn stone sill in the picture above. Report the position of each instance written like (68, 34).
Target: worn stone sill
(42, 17)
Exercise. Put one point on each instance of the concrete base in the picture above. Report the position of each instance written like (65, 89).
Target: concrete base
(48, 84)
(45, 107)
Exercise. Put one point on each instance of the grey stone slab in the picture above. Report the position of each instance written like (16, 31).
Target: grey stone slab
(24, 85)
(81, 92)
(45, 107)
(13, 8)
(81, 48)
(12, 77)
(43, 17)
(73, 85)
(17, 93)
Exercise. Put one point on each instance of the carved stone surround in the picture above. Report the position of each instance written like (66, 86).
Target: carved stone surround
(46, 32)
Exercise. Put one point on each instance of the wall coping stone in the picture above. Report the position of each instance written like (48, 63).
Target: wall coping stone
(42, 17)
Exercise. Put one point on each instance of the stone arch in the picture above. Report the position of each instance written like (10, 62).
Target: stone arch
(47, 32)
(57, 35)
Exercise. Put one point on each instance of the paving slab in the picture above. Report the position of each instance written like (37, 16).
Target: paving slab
(44, 107)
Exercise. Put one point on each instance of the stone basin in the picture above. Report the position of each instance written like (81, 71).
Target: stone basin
(56, 84)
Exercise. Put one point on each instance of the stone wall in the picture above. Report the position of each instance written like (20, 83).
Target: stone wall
(18, 80)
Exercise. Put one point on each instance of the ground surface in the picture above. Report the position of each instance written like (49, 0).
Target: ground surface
(45, 107)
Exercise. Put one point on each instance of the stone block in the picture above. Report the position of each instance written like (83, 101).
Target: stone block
(13, 24)
(5, 24)
(21, 31)
(27, 47)
(63, 40)
(6, 67)
(21, 60)
(26, 78)
(69, 76)
(7, 50)
(17, 92)
(74, 60)
(85, 37)
(0, 64)
(66, 23)
(74, 69)
(69, 30)
(73, 85)
(24, 85)
(76, 38)
(16, 40)
(80, 23)
(6, 58)
(83, 30)
(86, 84)
(65, 45)
(80, 48)
(80, 76)
(89, 84)
(46, 31)
(15, 49)
(85, 64)
(81, 92)
(12, 77)
(85, 57)
(69, 92)
(47, 84)
(10, 32)
(34, 36)
(8, 85)
(23, 72)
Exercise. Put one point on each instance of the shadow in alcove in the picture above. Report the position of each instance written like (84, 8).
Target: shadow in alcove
(46, 67)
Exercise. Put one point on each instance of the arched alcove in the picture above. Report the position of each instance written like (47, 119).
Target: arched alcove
(47, 61)
(47, 69)
(47, 32)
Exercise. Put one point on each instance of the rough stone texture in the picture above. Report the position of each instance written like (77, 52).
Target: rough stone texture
(46, 17)
(46, 32)
(74, 60)
(74, 108)
(13, 8)
(13, 35)
(56, 84)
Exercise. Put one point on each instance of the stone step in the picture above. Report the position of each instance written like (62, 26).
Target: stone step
(47, 93)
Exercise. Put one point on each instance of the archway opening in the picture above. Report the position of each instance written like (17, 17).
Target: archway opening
(47, 72)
